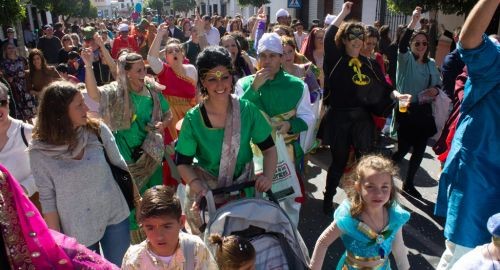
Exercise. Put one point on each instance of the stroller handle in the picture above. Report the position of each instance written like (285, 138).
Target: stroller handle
(207, 202)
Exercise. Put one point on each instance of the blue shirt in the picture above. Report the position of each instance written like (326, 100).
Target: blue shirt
(469, 187)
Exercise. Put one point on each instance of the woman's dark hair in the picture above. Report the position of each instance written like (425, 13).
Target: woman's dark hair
(212, 57)
(425, 58)
(232, 252)
(384, 32)
(159, 201)
(308, 45)
(240, 66)
(54, 125)
(62, 67)
(31, 56)
(399, 33)
(371, 31)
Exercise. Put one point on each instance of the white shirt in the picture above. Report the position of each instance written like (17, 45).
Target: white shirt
(299, 39)
(213, 36)
(14, 155)
(475, 260)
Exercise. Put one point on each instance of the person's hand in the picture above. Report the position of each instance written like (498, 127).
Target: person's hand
(261, 76)
(261, 13)
(159, 126)
(431, 92)
(98, 40)
(346, 8)
(162, 30)
(404, 97)
(87, 56)
(263, 183)
(417, 13)
(282, 126)
(199, 23)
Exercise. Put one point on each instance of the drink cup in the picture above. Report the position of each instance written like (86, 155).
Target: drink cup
(403, 105)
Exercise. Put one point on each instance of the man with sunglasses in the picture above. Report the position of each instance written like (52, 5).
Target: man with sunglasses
(123, 41)
(284, 98)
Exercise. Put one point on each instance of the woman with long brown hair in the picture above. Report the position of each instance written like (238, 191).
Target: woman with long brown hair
(78, 192)
(313, 49)
(39, 74)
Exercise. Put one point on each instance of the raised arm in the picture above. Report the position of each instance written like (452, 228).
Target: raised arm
(405, 40)
(202, 37)
(154, 50)
(476, 23)
(90, 82)
(331, 49)
(108, 60)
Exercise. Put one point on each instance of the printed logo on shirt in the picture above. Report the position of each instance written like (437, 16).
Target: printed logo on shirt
(358, 78)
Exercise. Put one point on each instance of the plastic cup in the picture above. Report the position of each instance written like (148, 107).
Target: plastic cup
(403, 105)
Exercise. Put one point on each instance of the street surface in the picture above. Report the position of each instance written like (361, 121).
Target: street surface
(423, 234)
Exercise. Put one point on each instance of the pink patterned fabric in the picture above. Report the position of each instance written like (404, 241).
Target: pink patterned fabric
(28, 242)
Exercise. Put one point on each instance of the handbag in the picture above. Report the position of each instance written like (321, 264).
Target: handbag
(377, 96)
(123, 178)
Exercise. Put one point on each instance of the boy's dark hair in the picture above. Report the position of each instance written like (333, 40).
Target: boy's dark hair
(73, 55)
(62, 67)
(159, 201)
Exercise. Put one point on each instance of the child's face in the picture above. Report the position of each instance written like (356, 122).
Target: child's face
(375, 188)
(163, 233)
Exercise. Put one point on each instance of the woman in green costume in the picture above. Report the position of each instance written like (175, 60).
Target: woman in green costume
(136, 111)
(218, 133)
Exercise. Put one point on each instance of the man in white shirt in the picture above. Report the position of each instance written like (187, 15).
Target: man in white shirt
(213, 35)
(299, 34)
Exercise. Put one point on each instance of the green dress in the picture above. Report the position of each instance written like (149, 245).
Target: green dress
(129, 139)
(205, 144)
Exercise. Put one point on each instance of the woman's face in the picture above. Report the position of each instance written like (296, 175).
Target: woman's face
(319, 39)
(353, 41)
(75, 40)
(370, 44)
(419, 45)
(77, 111)
(230, 45)
(67, 42)
(174, 54)
(11, 51)
(288, 54)
(37, 61)
(186, 26)
(218, 82)
(136, 74)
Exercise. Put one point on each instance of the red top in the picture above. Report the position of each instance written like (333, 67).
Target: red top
(176, 85)
(119, 44)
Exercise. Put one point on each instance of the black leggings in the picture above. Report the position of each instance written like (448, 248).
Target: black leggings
(347, 128)
(404, 145)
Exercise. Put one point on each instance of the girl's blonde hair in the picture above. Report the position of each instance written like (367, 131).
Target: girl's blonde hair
(377, 163)
(232, 251)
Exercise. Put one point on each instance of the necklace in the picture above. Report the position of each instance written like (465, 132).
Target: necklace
(493, 259)
(375, 227)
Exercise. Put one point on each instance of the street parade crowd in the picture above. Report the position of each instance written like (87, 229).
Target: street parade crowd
(182, 144)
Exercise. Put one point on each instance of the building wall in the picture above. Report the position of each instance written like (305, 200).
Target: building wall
(368, 13)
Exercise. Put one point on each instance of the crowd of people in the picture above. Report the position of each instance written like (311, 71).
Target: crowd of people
(113, 132)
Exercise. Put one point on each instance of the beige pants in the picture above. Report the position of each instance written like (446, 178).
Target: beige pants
(450, 256)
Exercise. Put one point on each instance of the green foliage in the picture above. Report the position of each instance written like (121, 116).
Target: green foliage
(183, 5)
(155, 5)
(458, 7)
(14, 9)
(255, 3)
(68, 8)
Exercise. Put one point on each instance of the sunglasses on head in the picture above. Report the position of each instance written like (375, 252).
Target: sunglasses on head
(417, 44)
(4, 102)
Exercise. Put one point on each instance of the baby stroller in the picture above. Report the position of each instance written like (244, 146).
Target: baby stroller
(277, 242)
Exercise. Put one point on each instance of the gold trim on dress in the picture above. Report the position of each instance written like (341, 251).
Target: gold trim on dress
(352, 261)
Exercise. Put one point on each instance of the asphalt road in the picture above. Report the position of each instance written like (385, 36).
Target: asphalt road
(423, 234)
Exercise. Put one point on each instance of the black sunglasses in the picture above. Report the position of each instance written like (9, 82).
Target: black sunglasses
(417, 44)
(4, 102)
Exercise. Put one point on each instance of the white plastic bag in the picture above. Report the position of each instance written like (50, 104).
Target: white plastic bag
(285, 180)
(440, 111)
(308, 137)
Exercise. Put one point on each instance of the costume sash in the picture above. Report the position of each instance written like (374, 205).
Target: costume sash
(231, 144)
(289, 138)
